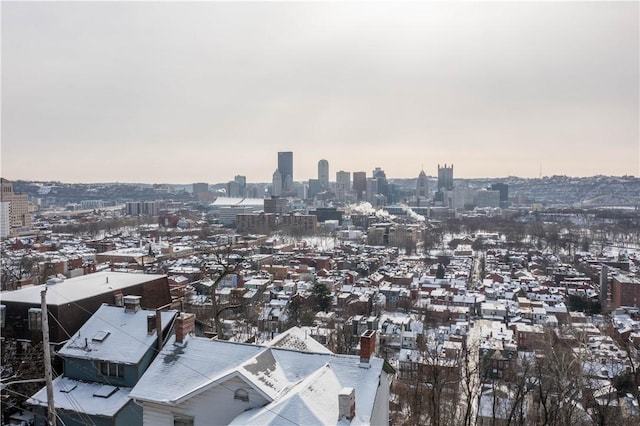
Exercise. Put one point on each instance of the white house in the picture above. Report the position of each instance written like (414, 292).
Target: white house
(196, 381)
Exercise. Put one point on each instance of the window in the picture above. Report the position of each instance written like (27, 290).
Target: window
(241, 394)
(35, 319)
(179, 420)
(110, 369)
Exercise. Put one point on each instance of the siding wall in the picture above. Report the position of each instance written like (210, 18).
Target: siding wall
(214, 406)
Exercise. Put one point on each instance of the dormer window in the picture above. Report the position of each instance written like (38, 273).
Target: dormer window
(241, 394)
(110, 369)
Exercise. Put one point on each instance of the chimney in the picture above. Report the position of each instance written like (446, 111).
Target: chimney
(346, 404)
(132, 304)
(151, 324)
(367, 347)
(185, 324)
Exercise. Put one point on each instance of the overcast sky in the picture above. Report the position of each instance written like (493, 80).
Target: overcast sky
(186, 92)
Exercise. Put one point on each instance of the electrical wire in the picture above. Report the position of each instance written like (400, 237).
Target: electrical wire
(158, 352)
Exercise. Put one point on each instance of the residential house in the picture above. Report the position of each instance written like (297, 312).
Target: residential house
(102, 362)
(72, 302)
(295, 381)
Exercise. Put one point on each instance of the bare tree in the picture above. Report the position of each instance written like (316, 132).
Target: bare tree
(223, 266)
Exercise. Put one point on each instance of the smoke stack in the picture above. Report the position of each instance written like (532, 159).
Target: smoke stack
(367, 347)
(185, 325)
(346, 404)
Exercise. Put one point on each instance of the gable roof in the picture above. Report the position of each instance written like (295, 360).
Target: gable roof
(111, 334)
(198, 364)
(312, 401)
(297, 339)
(185, 368)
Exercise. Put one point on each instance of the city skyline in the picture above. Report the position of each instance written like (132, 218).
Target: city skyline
(189, 92)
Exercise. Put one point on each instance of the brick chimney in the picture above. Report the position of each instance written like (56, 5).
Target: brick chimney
(367, 347)
(132, 304)
(346, 404)
(151, 324)
(185, 324)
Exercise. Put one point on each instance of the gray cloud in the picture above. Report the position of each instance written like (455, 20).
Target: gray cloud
(203, 91)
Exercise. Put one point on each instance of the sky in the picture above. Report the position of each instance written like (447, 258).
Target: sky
(182, 92)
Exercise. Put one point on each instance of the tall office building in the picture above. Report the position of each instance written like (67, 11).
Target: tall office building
(372, 189)
(5, 225)
(504, 192)
(359, 184)
(200, 187)
(276, 184)
(285, 166)
(233, 189)
(314, 188)
(19, 215)
(323, 174)
(445, 178)
(422, 189)
(343, 185)
(242, 184)
(383, 184)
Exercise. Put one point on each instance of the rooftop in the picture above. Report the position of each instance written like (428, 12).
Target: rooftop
(79, 288)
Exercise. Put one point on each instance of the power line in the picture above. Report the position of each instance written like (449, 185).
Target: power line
(177, 360)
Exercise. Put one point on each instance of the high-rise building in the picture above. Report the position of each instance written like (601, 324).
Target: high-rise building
(359, 184)
(383, 184)
(323, 174)
(200, 187)
(4, 219)
(422, 189)
(285, 166)
(242, 184)
(276, 182)
(504, 192)
(372, 189)
(233, 189)
(275, 205)
(19, 215)
(343, 185)
(445, 178)
(314, 188)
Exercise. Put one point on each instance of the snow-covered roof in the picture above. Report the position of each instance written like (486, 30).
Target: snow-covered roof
(186, 369)
(95, 399)
(307, 403)
(231, 201)
(111, 334)
(79, 288)
(296, 339)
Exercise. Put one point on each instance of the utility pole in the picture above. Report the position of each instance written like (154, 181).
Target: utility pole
(51, 416)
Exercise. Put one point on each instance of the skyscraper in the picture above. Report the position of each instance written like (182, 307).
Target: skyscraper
(285, 166)
(343, 185)
(359, 183)
(422, 189)
(445, 178)
(323, 174)
(383, 184)
(276, 189)
(242, 184)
